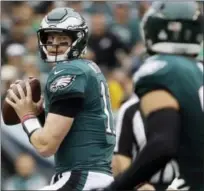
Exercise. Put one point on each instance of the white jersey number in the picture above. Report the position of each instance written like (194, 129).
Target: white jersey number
(201, 91)
(107, 112)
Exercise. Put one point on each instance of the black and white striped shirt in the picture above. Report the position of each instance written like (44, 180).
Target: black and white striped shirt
(131, 139)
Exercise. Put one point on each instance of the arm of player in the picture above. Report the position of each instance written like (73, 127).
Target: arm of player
(120, 163)
(47, 140)
(124, 139)
(160, 109)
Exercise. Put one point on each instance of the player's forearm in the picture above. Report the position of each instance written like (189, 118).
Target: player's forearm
(39, 136)
(153, 157)
(163, 130)
(39, 141)
(44, 142)
(120, 163)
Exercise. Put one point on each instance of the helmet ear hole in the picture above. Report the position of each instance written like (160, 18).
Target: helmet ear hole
(43, 55)
(72, 35)
(43, 37)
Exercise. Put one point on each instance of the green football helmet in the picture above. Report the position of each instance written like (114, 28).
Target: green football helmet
(173, 28)
(68, 21)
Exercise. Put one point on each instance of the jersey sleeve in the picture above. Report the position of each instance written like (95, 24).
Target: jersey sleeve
(156, 74)
(66, 83)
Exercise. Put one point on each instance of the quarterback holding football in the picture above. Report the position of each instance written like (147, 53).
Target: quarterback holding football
(76, 125)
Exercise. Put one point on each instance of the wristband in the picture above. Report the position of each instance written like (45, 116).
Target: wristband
(30, 124)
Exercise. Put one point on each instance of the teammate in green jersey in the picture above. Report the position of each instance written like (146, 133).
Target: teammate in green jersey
(78, 128)
(170, 86)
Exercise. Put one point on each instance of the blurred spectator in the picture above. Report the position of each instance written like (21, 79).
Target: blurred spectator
(120, 87)
(137, 61)
(27, 177)
(43, 7)
(103, 45)
(79, 7)
(14, 55)
(6, 21)
(31, 42)
(124, 78)
(31, 45)
(40, 9)
(16, 35)
(201, 6)
(143, 6)
(116, 94)
(9, 74)
(100, 7)
(25, 10)
(21, 14)
(4, 32)
(124, 26)
(30, 67)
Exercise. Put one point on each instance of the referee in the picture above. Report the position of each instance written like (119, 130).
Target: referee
(130, 140)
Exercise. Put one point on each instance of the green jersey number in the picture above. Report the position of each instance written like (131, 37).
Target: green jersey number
(105, 97)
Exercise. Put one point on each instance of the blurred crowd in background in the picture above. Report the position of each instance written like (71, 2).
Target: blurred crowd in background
(115, 44)
(115, 41)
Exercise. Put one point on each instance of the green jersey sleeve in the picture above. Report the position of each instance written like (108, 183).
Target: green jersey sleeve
(66, 83)
(155, 74)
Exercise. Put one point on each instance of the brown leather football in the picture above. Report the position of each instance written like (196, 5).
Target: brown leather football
(9, 115)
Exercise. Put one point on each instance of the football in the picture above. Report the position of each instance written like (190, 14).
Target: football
(8, 113)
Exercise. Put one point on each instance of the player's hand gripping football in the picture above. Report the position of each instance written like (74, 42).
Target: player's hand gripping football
(24, 104)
